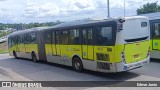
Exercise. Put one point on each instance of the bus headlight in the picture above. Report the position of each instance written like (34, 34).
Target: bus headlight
(123, 57)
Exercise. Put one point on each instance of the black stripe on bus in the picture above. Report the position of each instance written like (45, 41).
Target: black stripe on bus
(137, 39)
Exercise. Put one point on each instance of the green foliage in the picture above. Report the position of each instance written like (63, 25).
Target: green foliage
(3, 51)
(4, 33)
(148, 8)
(21, 26)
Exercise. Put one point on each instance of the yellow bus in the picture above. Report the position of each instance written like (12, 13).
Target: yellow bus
(111, 45)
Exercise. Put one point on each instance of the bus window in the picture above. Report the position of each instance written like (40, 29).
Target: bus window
(64, 37)
(90, 38)
(143, 24)
(157, 31)
(53, 37)
(33, 38)
(19, 39)
(57, 37)
(84, 36)
(25, 39)
(103, 35)
(74, 37)
(48, 37)
(11, 42)
(28, 39)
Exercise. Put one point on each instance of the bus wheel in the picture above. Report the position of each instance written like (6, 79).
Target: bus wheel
(77, 64)
(15, 55)
(34, 58)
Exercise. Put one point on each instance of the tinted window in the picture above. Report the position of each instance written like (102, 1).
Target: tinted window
(103, 35)
(87, 36)
(57, 37)
(84, 36)
(74, 37)
(53, 37)
(25, 39)
(28, 38)
(64, 37)
(156, 31)
(12, 41)
(20, 39)
(90, 38)
(144, 24)
(48, 37)
(33, 38)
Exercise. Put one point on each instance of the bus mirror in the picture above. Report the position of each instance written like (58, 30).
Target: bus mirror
(121, 20)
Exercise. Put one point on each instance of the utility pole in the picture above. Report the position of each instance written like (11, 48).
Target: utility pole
(108, 8)
(124, 8)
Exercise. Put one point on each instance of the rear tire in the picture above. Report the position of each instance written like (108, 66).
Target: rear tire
(77, 64)
(34, 58)
(15, 55)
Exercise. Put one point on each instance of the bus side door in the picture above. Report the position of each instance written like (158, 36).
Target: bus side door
(57, 45)
(87, 44)
(54, 50)
(48, 44)
(26, 42)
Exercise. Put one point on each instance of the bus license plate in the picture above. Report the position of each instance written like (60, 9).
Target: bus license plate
(136, 56)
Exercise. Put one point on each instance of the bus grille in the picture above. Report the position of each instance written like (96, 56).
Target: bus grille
(102, 65)
(102, 57)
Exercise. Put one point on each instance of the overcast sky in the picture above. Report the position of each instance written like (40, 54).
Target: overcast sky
(26, 11)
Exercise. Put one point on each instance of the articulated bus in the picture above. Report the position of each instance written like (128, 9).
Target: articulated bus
(111, 45)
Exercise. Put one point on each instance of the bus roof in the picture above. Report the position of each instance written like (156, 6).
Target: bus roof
(74, 24)
(62, 25)
(135, 17)
(28, 31)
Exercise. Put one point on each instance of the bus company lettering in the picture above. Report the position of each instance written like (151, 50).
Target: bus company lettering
(14, 84)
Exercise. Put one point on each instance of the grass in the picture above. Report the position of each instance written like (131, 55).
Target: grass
(3, 48)
(3, 51)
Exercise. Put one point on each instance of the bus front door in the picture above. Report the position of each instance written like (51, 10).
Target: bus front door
(87, 47)
(156, 36)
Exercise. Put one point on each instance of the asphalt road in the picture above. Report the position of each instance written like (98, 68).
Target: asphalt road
(25, 70)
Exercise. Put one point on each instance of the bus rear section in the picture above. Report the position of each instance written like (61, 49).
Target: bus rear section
(133, 44)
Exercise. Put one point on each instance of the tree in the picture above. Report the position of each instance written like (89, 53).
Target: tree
(148, 8)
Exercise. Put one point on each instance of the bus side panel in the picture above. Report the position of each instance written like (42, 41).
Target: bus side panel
(68, 51)
(90, 52)
(84, 51)
(33, 47)
(54, 50)
(48, 48)
(104, 54)
(119, 48)
(58, 50)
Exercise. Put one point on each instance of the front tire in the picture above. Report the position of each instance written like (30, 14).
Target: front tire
(77, 64)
